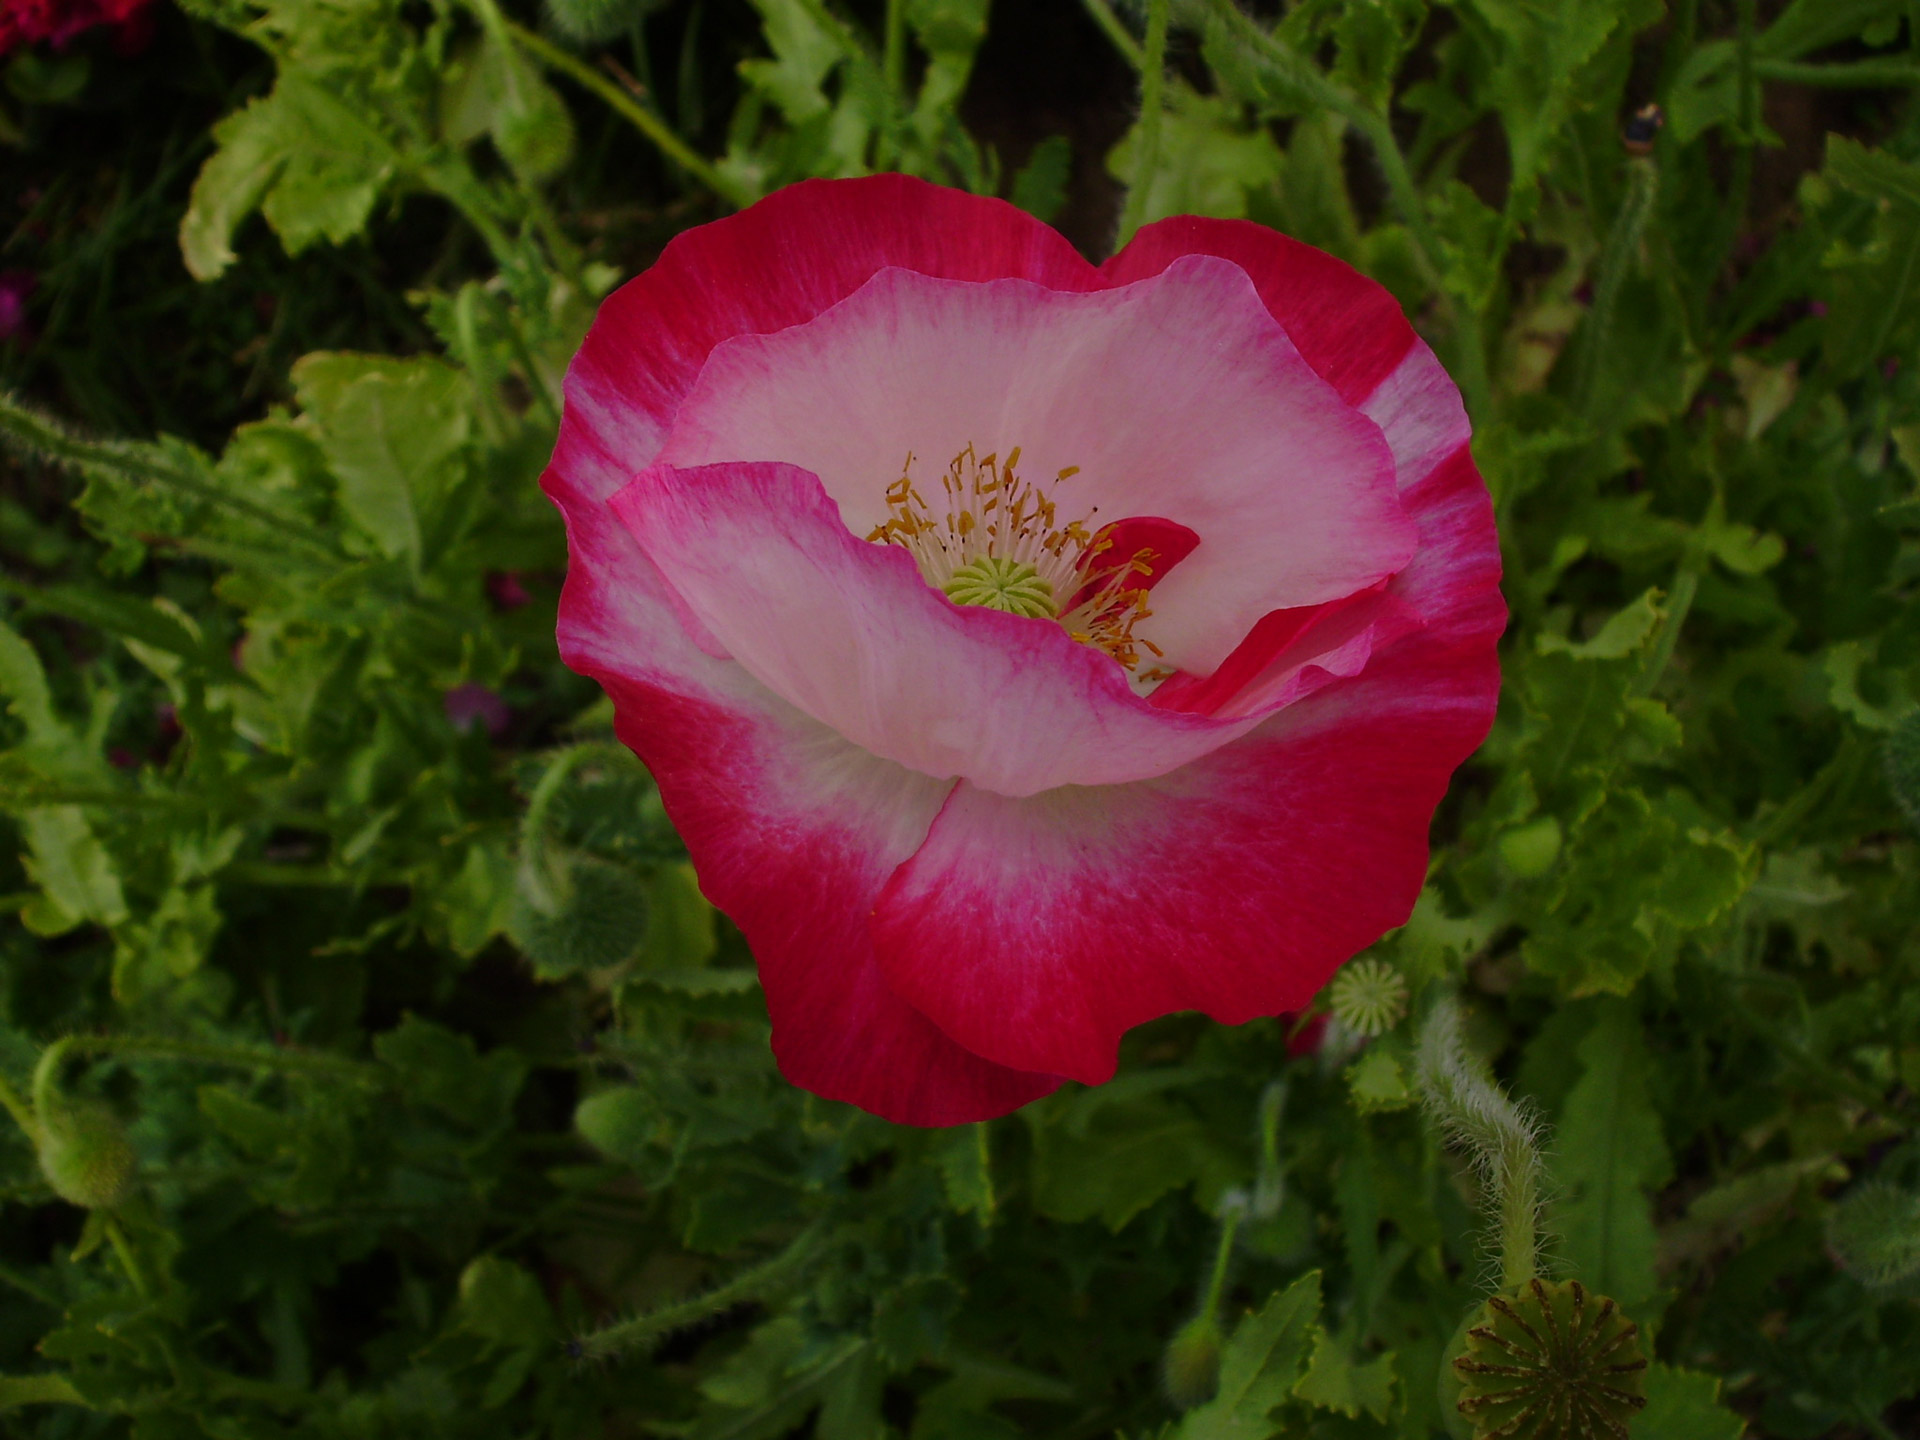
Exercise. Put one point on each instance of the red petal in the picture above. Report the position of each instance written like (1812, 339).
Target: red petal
(1346, 326)
(792, 833)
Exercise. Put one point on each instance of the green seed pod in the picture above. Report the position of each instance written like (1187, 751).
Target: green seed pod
(580, 913)
(1902, 755)
(1875, 1232)
(85, 1155)
(1368, 996)
(1192, 1363)
(1551, 1362)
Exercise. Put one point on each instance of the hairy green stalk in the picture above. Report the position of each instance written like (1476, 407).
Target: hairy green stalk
(755, 1284)
(313, 1064)
(1616, 262)
(635, 114)
(1502, 1138)
(26, 431)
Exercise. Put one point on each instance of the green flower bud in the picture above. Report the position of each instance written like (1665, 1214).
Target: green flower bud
(85, 1155)
(1875, 1232)
(1551, 1361)
(1192, 1363)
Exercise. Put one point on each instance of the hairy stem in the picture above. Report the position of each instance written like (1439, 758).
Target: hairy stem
(1502, 1139)
(26, 431)
(749, 1285)
(635, 114)
(162, 1047)
(1616, 262)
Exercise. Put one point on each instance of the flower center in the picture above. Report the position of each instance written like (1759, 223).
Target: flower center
(1000, 584)
(996, 541)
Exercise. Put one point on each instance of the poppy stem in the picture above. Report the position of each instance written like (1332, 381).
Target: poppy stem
(1502, 1138)
(624, 105)
(1153, 84)
(753, 1284)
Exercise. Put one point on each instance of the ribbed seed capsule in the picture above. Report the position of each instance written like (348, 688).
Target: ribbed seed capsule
(1001, 584)
(1553, 1362)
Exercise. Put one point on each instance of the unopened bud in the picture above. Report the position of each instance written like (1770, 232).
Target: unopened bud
(85, 1155)
(1192, 1364)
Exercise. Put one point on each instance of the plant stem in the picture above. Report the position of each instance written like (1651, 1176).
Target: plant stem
(1616, 261)
(624, 105)
(893, 52)
(1111, 27)
(1153, 83)
(1502, 1138)
(28, 432)
(1222, 1257)
(749, 1285)
(1846, 75)
(245, 1057)
(16, 1105)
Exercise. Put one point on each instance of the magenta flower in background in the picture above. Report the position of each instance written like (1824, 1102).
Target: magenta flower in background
(469, 705)
(1025, 649)
(59, 22)
(16, 288)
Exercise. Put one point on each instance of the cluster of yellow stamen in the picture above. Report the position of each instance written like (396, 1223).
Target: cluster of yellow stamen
(997, 541)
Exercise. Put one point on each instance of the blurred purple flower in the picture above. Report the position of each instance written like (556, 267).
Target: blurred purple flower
(15, 288)
(505, 590)
(468, 704)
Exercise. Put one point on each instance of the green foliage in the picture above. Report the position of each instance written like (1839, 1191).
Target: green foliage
(356, 987)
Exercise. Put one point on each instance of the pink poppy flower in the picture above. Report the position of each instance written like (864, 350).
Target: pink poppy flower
(994, 755)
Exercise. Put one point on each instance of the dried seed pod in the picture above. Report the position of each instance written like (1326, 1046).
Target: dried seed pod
(1551, 1362)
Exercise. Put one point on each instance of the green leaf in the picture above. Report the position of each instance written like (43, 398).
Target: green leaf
(77, 877)
(18, 1390)
(1209, 158)
(966, 1169)
(1538, 82)
(393, 432)
(1684, 1405)
(1259, 1366)
(504, 1305)
(1875, 288)
(1335, 1381)
(1903, 764)
(493, 89)
(1624, 634)
(1114, 1164)
(230, 186)
(1609, 1155)
(680, 923)
(805, 52)
(1040, 186)
(310, 162)
(125, 616)
(950, 31)
(1377, 1083)
(1706, 90)
(443, 1070)
(24, 684)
